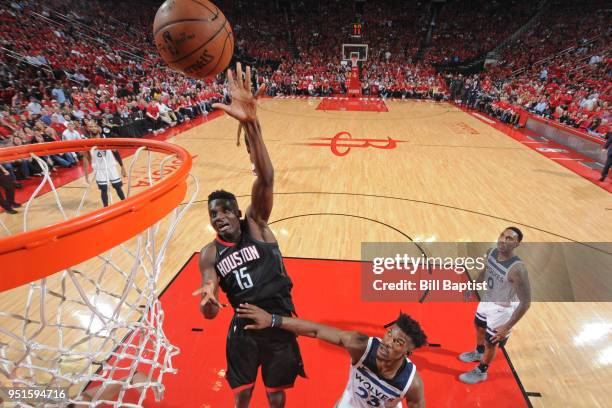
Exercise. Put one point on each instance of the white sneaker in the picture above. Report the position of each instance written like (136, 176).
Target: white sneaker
(470, 356)
(473, 377)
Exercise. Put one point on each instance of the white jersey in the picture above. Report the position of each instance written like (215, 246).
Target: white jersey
(366, 389)
(499, 289)
(105, 167)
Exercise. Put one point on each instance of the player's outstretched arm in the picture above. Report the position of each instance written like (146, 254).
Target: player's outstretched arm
(354, 342)
(415, 397)
(244, 109)
(209, 305)
(263, 186)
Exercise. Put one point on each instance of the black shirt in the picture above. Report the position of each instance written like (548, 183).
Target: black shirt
(252, 271)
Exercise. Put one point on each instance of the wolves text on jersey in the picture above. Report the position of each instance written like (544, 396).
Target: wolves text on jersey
(372, 392)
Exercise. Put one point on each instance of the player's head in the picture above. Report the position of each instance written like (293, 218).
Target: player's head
(224, 214)
(403, 335)
(509, 239)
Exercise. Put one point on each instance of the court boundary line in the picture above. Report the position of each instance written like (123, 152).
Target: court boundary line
(340, 117)
(159, 296)
(181, 269)
(429, 203)
(509, 360)
(517, 378)
(429, 267)
(524, 393)
(424, 296)
(506, 129)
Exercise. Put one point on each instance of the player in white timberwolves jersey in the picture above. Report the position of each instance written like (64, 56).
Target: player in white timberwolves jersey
(104, 164)
(503, 304)
(380, 375)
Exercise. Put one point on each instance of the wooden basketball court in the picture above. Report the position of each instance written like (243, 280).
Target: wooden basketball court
(421, 171)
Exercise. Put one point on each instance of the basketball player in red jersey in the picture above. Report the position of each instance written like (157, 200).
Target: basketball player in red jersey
(245, 261)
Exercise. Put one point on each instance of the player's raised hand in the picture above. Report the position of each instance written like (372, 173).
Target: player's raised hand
(244, 103)
(261, 318)
(208, 294)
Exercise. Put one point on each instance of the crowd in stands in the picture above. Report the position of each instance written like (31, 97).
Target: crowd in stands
(563, 24)
(81, 68)
(313, 65)
(260, 29)
(69, 83)
(393, 79)
(394, 29)
(454, 38)
(573, 89)
(560, 68)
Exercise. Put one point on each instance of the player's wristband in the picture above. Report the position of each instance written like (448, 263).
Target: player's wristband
(277, 321)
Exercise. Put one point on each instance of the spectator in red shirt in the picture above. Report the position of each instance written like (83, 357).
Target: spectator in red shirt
(154, 121)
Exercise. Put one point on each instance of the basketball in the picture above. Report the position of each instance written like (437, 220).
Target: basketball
(193, 37)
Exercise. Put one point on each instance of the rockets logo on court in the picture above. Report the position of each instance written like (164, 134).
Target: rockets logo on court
(342, 143)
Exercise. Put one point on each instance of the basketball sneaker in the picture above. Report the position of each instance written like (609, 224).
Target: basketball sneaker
(470, 357)
(473, 377)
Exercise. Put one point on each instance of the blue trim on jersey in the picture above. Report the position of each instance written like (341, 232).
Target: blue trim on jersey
(401, 378)
(105, 182)
(377, 382)
(365, 353)
(496, 265)
(507, 263)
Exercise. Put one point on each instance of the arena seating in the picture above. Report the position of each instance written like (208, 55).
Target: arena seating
(573, 88)
(96, 69)
(99, 69)
(469, 28)
(564, 24)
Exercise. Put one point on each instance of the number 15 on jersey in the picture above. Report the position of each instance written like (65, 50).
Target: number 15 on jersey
(243, 278)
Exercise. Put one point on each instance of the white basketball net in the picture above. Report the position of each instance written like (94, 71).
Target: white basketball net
(95, 329)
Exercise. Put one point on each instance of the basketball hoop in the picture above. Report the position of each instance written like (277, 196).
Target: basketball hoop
(354, 59)
(90, 311)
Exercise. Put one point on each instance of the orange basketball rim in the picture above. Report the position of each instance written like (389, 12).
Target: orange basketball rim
(36, 254)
